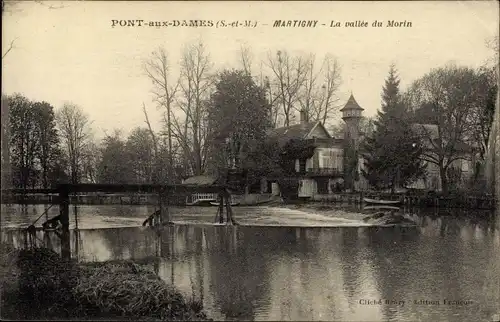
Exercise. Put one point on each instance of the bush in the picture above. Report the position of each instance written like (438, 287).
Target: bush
(45, 283)
(129, 290)
(50, 287)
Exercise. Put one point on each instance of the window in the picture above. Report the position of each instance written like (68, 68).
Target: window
(324, 159)
(465, 166)
(309, 163)
(330, 158)
(302, 166)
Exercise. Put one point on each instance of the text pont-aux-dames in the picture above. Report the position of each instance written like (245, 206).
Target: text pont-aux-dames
(164, 23)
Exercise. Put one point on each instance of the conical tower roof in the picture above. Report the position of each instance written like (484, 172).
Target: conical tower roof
(352, 105)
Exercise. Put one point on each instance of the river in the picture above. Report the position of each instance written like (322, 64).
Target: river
(299, 264)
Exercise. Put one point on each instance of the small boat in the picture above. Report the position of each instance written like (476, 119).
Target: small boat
(381, 207)
(381, 202)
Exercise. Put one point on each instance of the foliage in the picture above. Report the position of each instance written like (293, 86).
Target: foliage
(237, 114)
(24, 144)
(264, 159)
(44, 284)
(130, 290)
(454, 175)
(460, 102)
(74, 128)
(481, 118)
(140, 150)
(49, 287)
(114, 166)
(134, 159)
(289, 188)
(33, 143)
(49, 151)
(392, 153)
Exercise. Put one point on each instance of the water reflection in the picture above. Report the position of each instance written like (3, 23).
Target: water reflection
(290, 273)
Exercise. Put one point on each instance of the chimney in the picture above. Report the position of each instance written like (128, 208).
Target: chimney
(303, 117)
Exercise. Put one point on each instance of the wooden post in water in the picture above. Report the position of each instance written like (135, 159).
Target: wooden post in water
(163, 200)
(64, 218)
(220, 199)
(229, 210)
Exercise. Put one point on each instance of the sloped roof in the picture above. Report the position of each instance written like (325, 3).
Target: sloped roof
(201, 180)
(351, 104)
(297, 131)
(431, 131)
(287, 133)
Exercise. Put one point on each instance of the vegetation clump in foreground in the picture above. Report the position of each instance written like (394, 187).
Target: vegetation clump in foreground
(49, 287)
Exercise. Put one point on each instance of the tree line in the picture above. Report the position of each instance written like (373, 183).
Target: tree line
(197, 100)
(218, 119)
(43, 146)
(441, 118)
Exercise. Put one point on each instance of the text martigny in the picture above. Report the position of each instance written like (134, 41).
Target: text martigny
(334, 23)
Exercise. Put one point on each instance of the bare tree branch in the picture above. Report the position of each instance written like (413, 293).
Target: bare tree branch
(74, 127)
(290, 73)
(9, 48)
(158, 175)
(157, 69)
(246, 59)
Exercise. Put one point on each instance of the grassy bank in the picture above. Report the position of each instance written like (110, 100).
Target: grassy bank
(38, 284)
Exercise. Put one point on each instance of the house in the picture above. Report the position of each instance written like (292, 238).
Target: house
(319, 171)
(465, 159)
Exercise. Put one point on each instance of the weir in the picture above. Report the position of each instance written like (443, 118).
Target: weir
(158, 219)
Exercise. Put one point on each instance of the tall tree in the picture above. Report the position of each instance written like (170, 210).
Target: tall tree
(114, 166)
(190, 128)
(449, 94)
(5, 138)
(141, 150)
(237, 117)
(24, 141)
(49, 140)
(74, 128)
(289, 74)
(392, 153)
(246, 59)
(480, 118)
(318, 95)
(157, 69)
(90, 156)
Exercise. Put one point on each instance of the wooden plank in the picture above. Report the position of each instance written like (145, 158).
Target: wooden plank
(30, 191)
(91, 187)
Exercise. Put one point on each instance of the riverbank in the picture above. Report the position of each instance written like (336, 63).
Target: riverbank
(421, 199)
(38, 284)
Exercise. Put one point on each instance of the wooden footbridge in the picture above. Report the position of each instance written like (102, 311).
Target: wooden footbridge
(158, 219)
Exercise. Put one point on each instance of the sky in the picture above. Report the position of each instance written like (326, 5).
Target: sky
(67, 51)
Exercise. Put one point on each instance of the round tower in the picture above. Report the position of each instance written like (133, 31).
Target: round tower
(351, 114)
